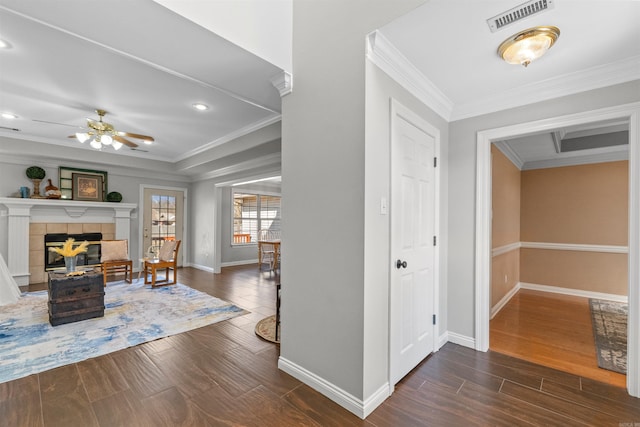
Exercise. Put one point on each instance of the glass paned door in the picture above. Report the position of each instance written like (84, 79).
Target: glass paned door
(163, 218)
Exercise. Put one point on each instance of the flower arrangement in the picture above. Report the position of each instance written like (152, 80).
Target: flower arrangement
(67, 249)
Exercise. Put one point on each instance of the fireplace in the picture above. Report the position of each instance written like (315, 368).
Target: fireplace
(54, 261)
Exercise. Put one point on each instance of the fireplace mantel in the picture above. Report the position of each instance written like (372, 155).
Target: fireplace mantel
(21, 212)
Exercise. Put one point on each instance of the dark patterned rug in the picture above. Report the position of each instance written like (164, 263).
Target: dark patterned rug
(609, 320)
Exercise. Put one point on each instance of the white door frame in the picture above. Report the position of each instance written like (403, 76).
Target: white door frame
(630, 112)
(398, 109)
(184, 246)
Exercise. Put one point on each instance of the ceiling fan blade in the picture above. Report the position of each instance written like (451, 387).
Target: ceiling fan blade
(56, 123)
(136, 135)
(125, 141)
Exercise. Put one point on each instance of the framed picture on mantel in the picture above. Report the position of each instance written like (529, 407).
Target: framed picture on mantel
(87, 187)
(67, 183)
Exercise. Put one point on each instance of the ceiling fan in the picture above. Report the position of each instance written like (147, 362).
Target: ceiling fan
(101, 133)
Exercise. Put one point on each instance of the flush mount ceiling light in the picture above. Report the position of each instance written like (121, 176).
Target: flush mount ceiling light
(528, 45)
(201, 107)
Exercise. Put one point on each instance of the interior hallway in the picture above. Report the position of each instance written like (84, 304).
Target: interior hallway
(550, 329)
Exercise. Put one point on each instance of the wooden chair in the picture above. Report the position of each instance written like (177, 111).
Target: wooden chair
(266, 250)
(167, 261)
(114, 259)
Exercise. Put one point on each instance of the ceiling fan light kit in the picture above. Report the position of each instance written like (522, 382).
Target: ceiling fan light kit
(102, 133)
(528, 45)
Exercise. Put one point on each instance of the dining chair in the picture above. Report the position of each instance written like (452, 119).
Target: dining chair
(167, 261)
(114, 259)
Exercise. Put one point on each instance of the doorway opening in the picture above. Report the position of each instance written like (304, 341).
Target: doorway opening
(631, 115)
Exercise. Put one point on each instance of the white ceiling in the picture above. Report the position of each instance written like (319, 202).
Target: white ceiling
(146, 66)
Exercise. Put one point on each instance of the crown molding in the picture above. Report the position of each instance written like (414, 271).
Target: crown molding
(382, 53)
(231, 136)
(621, 153)
(273, 159)
(509, 153)
(567, 84)
(283, 82)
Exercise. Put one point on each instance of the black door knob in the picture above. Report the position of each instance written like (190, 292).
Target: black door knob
(400, 263)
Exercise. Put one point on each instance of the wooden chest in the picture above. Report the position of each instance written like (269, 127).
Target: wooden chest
(74, 298)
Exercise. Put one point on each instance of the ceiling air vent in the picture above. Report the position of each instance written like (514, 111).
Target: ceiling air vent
(525, 10)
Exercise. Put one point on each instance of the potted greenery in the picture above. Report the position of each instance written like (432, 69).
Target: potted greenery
(36, 174)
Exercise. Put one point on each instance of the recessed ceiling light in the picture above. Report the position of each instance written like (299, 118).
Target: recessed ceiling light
(200, 107)
(8, 116)
(4, 44)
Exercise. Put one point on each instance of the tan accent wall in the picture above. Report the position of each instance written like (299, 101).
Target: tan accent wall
(505, 197)
(505, 274)
(585, 271)
(576, 204)
(505, 227)
(585, 204)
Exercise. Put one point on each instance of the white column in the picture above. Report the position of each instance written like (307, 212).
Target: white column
(18, 238)
(122, 218)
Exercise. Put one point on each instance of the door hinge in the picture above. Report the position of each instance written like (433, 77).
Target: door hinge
(434, 319)
(435, 162)
(434, 240)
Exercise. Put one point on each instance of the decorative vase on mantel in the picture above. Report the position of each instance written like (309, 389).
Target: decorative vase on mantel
(36, 174)
(70, 263)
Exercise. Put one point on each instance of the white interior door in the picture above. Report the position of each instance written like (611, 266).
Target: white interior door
(413, 218)
(163, 218)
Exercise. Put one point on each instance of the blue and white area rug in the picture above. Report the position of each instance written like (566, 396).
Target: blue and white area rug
(134, 314)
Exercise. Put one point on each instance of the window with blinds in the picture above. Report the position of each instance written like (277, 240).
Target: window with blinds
(251, 213)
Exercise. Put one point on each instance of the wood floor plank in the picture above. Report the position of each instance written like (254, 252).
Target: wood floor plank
(119, 409)
(559, 406)
(182, 372)
(325, 413)
(601, 404)
(171, 408)
(101, 377)
(142, 375)
(64, 399)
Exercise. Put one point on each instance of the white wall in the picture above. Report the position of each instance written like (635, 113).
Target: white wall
(462, 190)
(323, 184)
(263, 27)
(380, 89)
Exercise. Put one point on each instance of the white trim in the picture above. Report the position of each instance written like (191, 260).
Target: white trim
(579, 247)
(573, 292)
(242, 262)
(593, 78)
(461, 340)
(443, 339)
(185, 218)
(500, 250)
(389, 59)
(200, 267)
(630, 112)
(283, 82)
(574, 159)
(354, 405)
(509, 153)
(505, 300)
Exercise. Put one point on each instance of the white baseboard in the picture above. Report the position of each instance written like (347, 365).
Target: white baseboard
(461, 340)
(443, 339)
(354, 405)
(244, 262)
(505, 299)
(201, 267)
(574, 292)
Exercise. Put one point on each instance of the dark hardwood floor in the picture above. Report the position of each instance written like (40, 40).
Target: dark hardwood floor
(224, 375)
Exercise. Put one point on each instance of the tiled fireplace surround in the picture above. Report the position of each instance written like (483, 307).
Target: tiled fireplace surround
(28, 220)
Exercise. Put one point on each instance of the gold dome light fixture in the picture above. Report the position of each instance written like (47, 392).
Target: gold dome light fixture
(528, 45)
